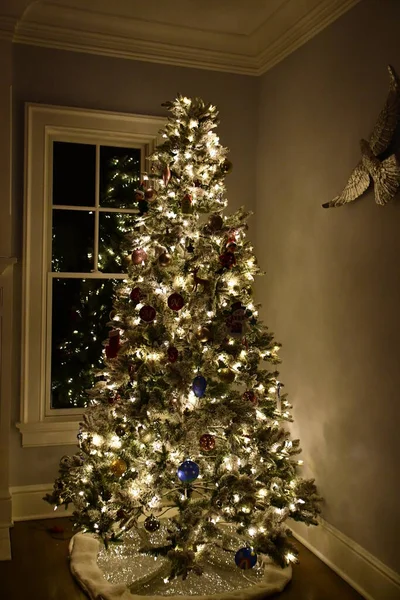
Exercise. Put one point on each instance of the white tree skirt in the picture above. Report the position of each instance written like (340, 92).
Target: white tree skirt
(122, 573)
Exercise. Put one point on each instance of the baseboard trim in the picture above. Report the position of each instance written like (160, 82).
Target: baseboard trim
(359, 568)
(28, 503)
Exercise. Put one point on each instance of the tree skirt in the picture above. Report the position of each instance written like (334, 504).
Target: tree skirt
(122, 573)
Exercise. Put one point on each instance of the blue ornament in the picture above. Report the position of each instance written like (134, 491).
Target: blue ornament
(188, 471)
(199, 386)
(245, 558)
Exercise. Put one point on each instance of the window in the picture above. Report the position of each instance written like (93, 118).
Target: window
(75, 215)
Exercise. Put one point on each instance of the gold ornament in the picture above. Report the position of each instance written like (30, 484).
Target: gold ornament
(118, 467)
(203, 334)
(226, 375)
(164, 259)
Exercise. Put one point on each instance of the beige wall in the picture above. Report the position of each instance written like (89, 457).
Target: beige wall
(332, 290)
(73, 79)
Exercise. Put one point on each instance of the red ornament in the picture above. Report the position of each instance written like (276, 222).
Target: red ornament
(207, 442)
(172, 354)
(138, 256)
(231, 246)
(166, 175)
(186, 204)
(250, 396)
(176, 301)
(113, 344)
(147, 313)
(237, 320)
(227, 260)
(149, 194)
(136, 295)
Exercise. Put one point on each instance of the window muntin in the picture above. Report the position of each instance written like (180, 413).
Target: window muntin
(88, 238)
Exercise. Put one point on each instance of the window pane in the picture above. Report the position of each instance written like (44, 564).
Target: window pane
(73, 241)
(80, 311)
(119, 176)
(74, 174)
(113, 247)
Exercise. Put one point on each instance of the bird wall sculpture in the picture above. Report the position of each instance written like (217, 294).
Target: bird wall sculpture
(377, 164)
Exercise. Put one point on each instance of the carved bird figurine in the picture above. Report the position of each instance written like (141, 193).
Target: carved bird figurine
(384, 172)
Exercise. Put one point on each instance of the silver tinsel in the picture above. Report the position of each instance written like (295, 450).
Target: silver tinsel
(146, 575)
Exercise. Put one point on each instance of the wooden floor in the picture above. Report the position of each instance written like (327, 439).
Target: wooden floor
(39, 569)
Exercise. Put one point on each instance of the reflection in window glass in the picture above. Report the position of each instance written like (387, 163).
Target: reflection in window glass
(119, 176)
(73, 241)
(74, 174)
(80, 313)
(113, 248)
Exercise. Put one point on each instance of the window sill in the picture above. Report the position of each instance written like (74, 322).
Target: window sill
(49, 433)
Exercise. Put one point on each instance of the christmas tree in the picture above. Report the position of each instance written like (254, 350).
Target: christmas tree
(188, 411)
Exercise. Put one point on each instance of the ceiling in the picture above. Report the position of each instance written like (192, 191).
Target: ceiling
(237, 36)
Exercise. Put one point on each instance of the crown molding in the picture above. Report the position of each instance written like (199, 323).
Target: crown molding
(64, 27)
(134, 49)
(287, 40)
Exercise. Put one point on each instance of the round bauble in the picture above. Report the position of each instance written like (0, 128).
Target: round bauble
(120, 431)
(188, 471)
(118, 467)
(227, 260)
(147, 313)
(215, 222)
(226, 375)
(245, 558)
(172, 354)
(226, 167)
(176, 301)
(199, 386)
(136, 295)
(203, 334)
(149, 194)
(164, 259)
(112, 314)
(151, 524)
(207, 442)
(250, 396)
(138, 256)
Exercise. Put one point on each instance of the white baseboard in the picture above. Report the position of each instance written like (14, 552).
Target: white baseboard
(363, 571)
(28, 503)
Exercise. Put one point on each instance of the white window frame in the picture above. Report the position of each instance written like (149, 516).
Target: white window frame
(40, 425)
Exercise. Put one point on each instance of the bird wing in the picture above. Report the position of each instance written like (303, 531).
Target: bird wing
(388, 118)
(357, 184)
(387, 180)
